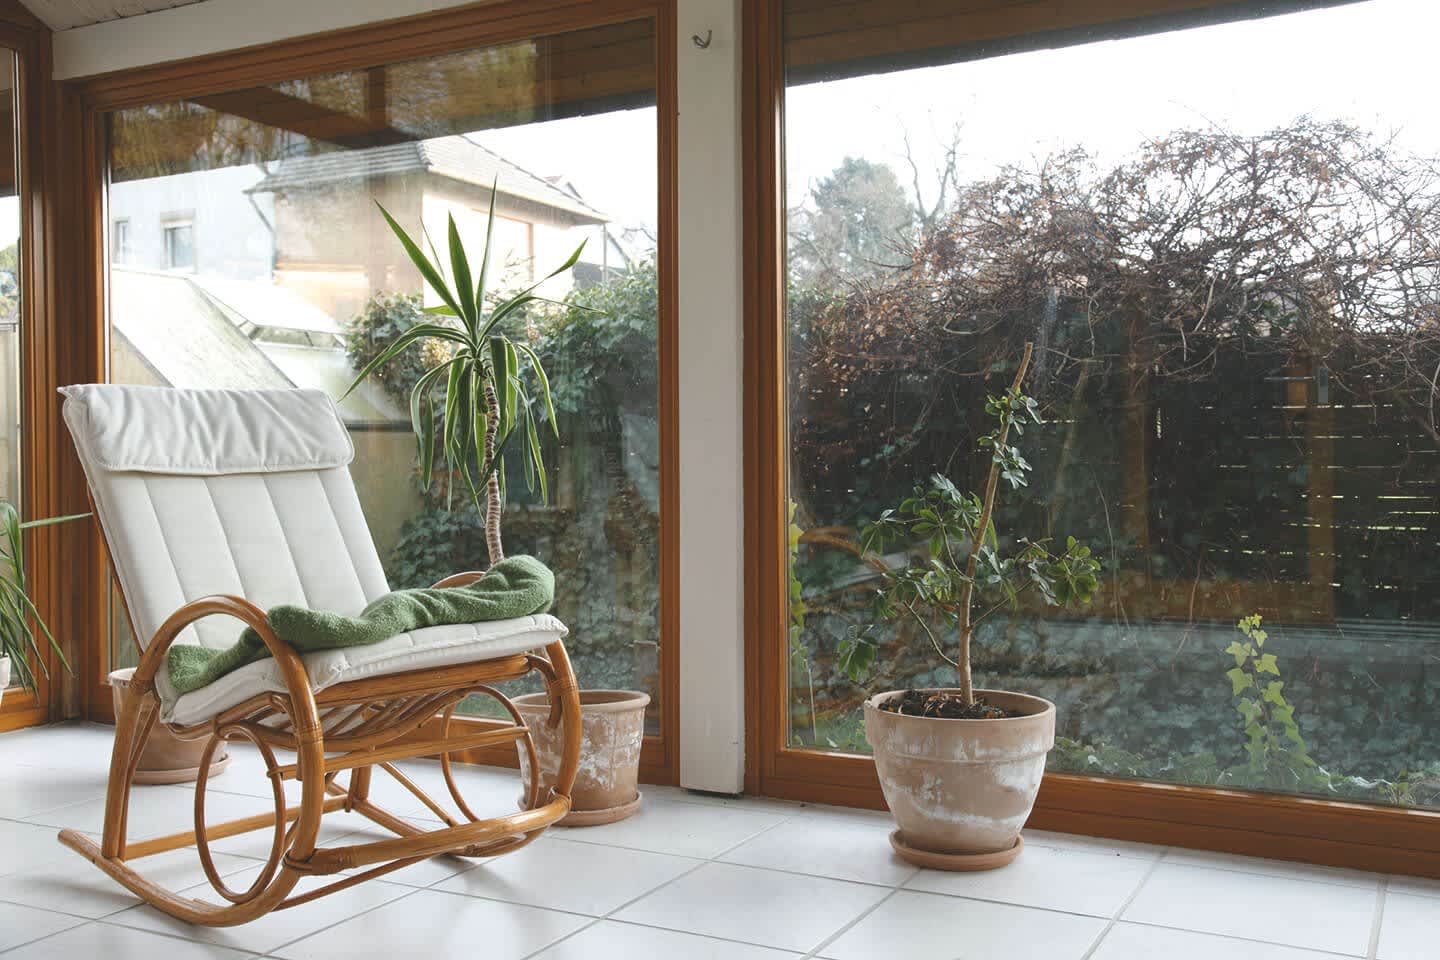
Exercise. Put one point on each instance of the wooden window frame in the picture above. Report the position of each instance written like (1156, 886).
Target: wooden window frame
(358, 48)
(48, 359)
(1386, 839)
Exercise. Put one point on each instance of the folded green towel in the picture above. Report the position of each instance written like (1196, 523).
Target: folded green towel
(514, 587)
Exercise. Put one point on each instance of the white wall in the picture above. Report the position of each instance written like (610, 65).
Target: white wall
(711, 451)
(712, 594)
(232, 235)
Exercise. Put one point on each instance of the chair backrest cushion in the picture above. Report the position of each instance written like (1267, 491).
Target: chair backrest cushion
(244, 492)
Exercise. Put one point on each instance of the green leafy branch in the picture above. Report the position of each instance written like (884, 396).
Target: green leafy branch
(961, 564)
(486, 395)
(1272, 736)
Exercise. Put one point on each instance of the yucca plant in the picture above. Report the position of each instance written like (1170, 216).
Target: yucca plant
(492, 384)
(18, 616)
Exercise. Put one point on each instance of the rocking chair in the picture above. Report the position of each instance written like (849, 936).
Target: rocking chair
(227, 502)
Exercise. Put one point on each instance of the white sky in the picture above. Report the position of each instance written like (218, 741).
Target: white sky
(609, 157)
(9, 221)
(1370, 63)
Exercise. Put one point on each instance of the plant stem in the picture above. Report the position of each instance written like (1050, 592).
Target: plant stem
(987, 509)
(493, 504)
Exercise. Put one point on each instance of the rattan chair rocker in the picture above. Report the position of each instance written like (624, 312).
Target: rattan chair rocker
(217, 504)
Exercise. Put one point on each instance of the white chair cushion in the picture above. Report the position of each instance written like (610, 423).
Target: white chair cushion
(248, 492)
(206, 432)
(420, 649)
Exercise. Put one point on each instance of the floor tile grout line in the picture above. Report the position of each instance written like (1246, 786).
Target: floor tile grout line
(28, 943)
(1271, 875)
(1120, 910)
(846, 928)
(611, 913)
(1377, 919)
(435, 887)
(409, 892)
(1242, 939)
(703, 862)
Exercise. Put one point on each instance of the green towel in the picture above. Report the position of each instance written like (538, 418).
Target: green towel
(514, 587)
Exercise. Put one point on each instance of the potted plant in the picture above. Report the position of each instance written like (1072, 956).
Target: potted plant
(18, 617)
(494, 392)
(960, 767)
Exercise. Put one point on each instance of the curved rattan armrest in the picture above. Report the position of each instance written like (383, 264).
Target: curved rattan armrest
(462, 579)
(292, 668)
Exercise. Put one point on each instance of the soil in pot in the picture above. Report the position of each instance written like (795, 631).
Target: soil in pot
(945, 705)
(612, 725)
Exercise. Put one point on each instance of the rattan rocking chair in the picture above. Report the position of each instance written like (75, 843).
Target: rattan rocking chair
(226, 502)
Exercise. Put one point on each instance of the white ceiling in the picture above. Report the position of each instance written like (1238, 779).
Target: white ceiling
(64, 14)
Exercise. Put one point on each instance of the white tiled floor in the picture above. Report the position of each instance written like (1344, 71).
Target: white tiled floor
(692, 877)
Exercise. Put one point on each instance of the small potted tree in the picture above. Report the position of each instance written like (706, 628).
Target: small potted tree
(487, 395)
(19, 645)
(960, 767)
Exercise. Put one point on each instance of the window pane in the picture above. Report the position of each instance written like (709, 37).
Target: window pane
(298, 281)
(10, 318)
(179, 246)
(11, 367)
(1231, 278)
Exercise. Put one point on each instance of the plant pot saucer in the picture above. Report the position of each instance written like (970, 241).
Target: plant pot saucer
(179, 774)
(594, 818)
(956, 862)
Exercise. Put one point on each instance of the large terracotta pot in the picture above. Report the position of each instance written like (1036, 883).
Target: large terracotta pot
(960, 790)
(166, 759)
(612, 730)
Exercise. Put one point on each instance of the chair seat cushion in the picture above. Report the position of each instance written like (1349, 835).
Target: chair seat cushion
(419, 649)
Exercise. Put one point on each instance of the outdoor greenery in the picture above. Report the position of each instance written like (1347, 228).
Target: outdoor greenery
(487, 378)
(1231, 331)
(963, 551)
(1201, 377)
(19, 619)
(600, 345)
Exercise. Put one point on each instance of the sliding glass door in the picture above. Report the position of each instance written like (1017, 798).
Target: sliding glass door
(1223, 239)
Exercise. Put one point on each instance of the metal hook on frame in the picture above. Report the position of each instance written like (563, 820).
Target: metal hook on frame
(702, 44)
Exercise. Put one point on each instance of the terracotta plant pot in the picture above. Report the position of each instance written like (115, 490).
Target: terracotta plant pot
(960, 790)
(166, 759)
(612, 729)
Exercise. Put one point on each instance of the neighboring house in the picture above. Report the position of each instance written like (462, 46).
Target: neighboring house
(201, 222)
(245, 277)
(333, 246)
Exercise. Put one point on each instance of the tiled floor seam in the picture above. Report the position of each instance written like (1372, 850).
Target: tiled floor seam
(1378, 919)
(702, 862)
(815, 951)
(1264, 943)
(410, 892)
(610, 915)
(1120, 911)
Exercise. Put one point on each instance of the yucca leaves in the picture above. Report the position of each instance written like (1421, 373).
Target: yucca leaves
(484, 356)
(18, 616)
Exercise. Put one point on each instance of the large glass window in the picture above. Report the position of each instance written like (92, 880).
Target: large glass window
(1224, 241)
(250, 253)
(10, 315)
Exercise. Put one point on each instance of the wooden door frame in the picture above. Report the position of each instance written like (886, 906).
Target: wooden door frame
(1386, 839)
(437, 33)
